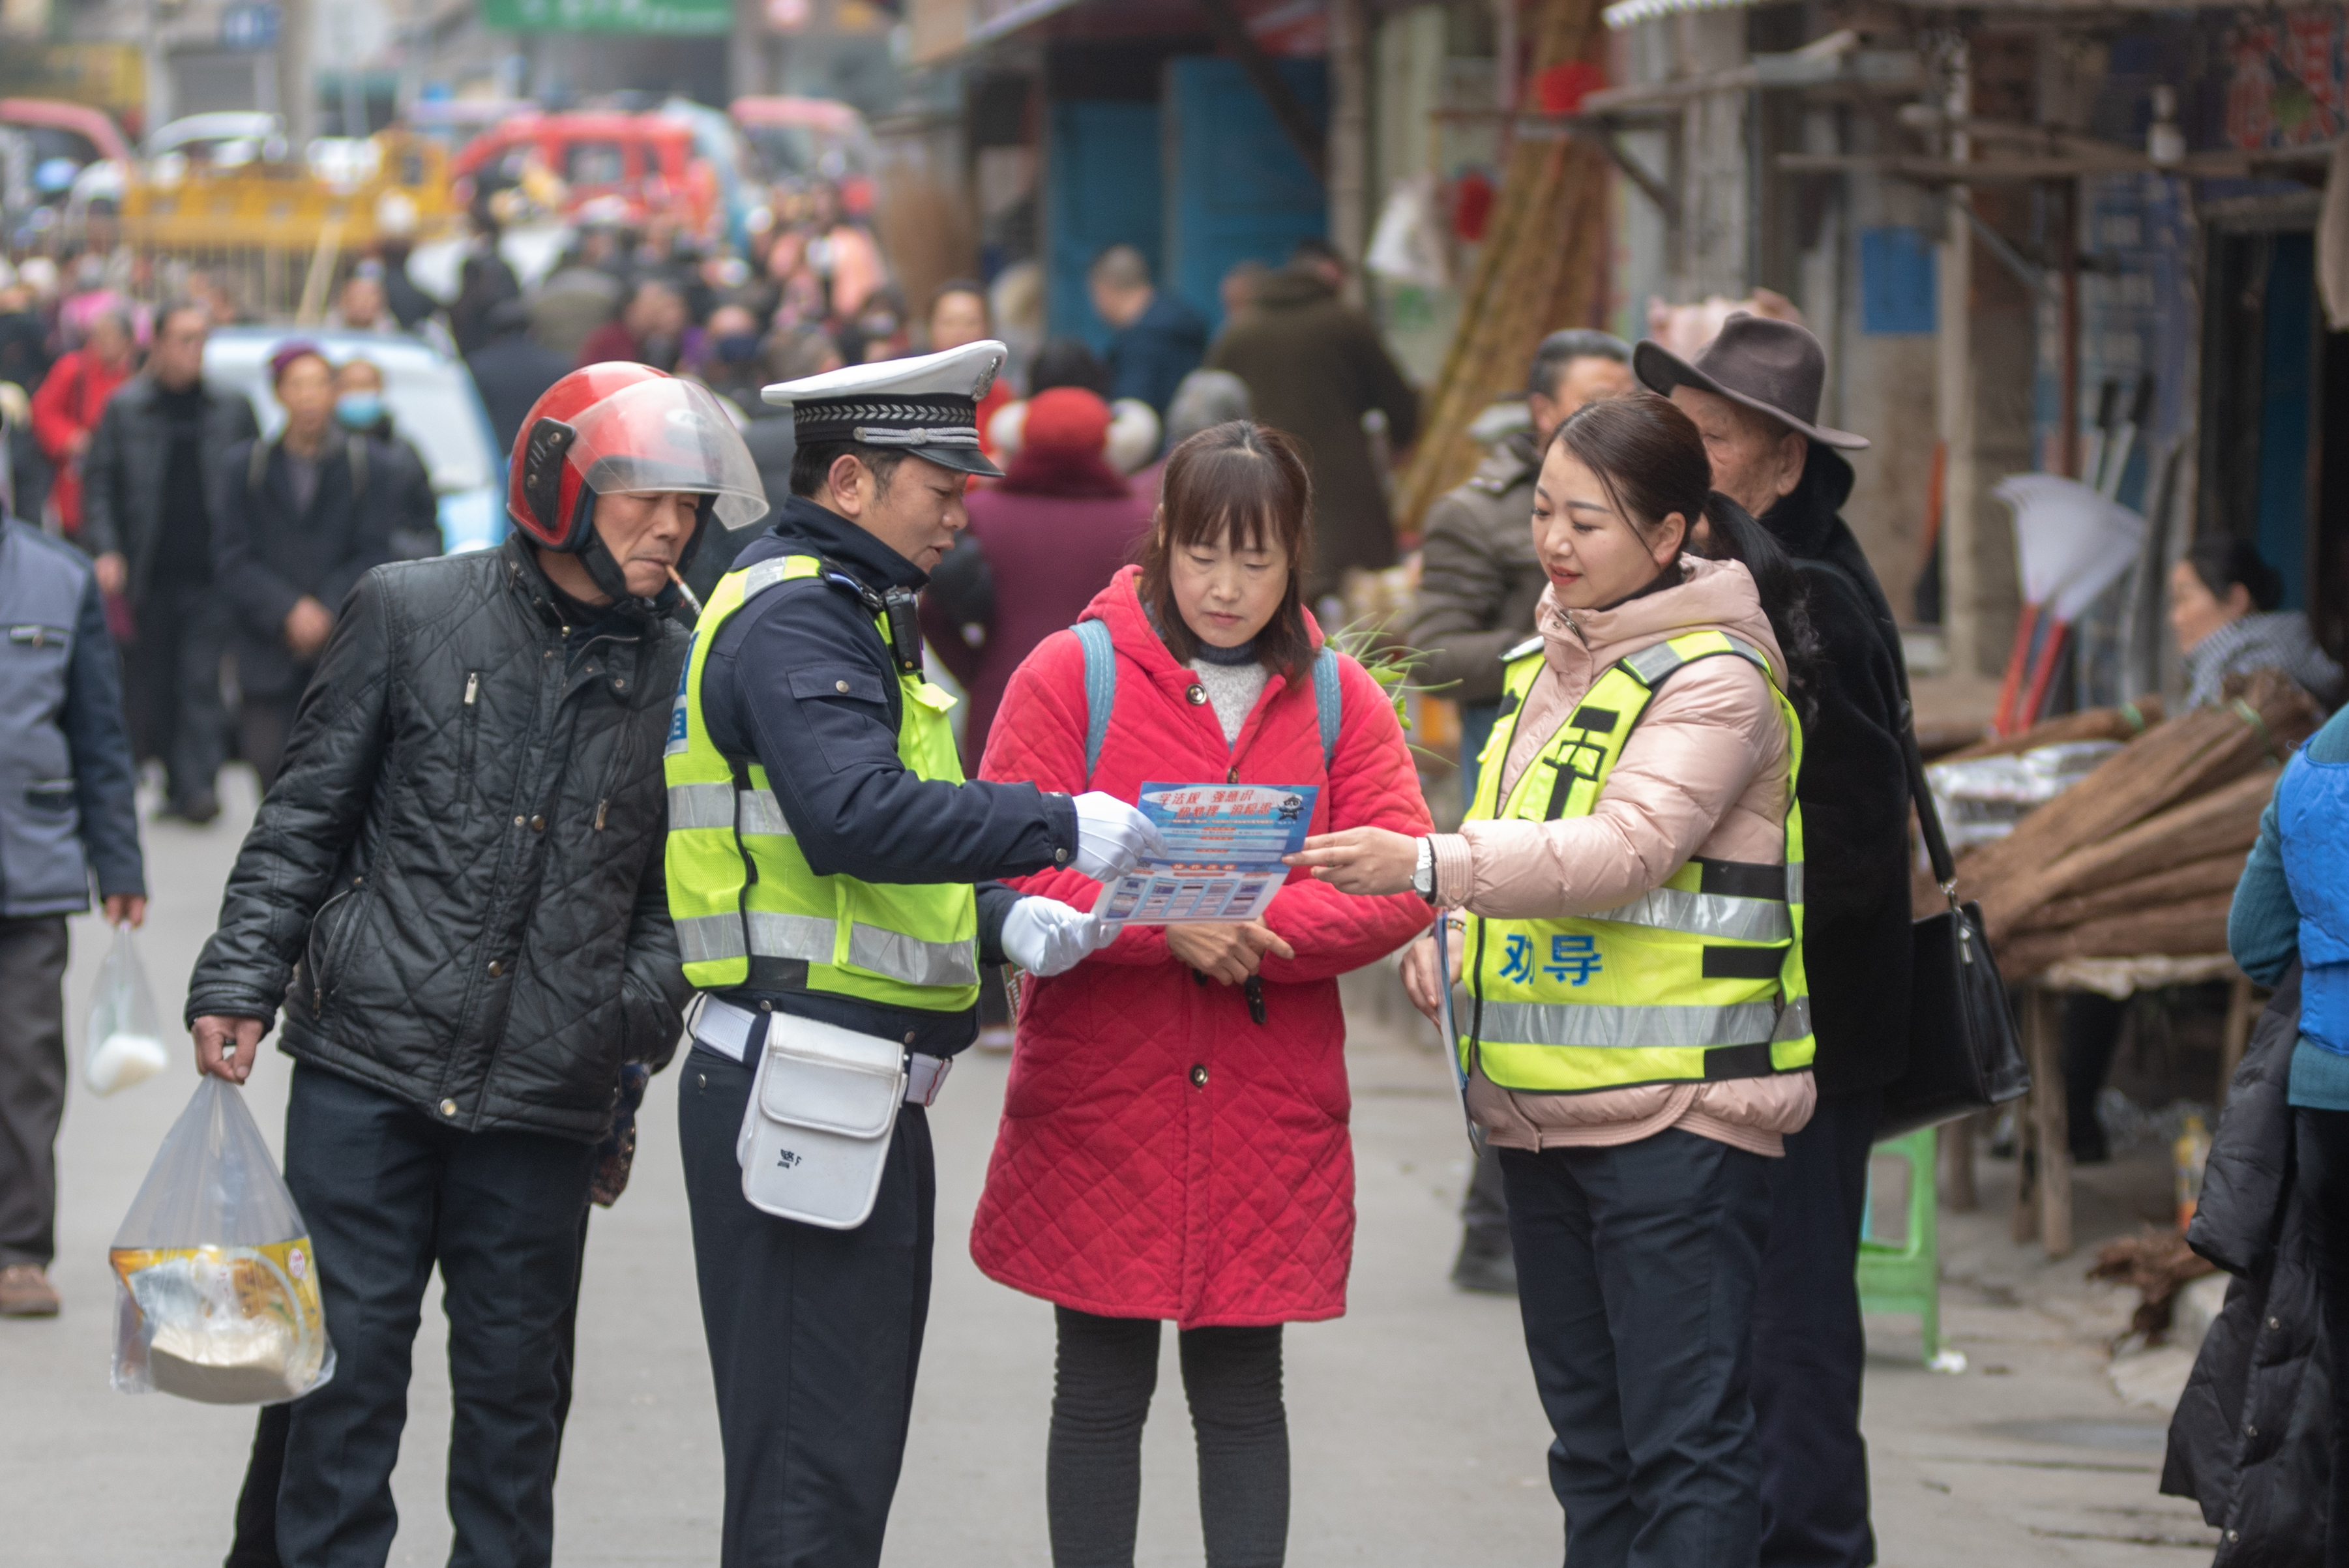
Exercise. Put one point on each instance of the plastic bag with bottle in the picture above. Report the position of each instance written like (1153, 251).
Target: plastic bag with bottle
(217, 1293)
(124, 1043)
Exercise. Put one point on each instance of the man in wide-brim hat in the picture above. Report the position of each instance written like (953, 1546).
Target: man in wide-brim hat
(1754, 393)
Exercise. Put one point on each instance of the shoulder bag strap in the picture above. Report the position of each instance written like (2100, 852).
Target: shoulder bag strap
(1929, 815)
(1100, 687)
(1328, 702)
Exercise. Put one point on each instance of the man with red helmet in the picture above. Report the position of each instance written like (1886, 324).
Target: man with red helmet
(454, 890)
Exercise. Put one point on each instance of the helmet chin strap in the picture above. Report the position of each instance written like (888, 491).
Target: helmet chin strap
(606, 571)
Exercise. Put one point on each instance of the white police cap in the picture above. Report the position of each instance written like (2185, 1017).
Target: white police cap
(926, 405)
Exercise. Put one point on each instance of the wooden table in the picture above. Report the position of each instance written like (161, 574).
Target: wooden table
(2043, 1194)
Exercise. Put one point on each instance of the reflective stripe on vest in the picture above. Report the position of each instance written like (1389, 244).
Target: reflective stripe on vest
(748, 908)
(1701, 977)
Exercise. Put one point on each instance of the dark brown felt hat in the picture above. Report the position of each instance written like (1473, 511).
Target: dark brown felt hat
(1774, 368)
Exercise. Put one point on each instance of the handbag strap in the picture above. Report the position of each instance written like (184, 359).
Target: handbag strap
(1929, 815)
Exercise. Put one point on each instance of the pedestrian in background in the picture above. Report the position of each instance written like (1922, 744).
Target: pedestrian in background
(444, 1107)
(1479, 581)
(362, 407)
(958, 315)
(1042, 542)
(511, 371)
(1754, 393)
(1639, 1059)
(1155, 338)
(361, 307)
(1098, 1196)
(147, 483)
(2223, 610)
(303, 515)
(70, 401)
(1315, 366)
(653, 329)
(69, 814)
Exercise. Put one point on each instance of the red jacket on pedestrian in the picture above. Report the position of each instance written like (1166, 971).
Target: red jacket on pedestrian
(68, 404)
(1161, 1155)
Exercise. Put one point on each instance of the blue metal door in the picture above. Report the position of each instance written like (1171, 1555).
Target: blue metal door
(1103, 188)
(1238, 191)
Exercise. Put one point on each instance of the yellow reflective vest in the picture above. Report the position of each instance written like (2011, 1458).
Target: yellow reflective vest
(750, 911)
(1701, 977)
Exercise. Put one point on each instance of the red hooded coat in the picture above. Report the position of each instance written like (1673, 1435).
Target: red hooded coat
(1161, 1155)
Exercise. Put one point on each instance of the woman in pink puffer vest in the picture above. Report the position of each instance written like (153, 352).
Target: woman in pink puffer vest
(1637, 1212)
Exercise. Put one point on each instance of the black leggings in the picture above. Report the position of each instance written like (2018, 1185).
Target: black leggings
(1106, 1372)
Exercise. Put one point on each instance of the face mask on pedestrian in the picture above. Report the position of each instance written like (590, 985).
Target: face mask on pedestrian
(737, 348)
(358, 411)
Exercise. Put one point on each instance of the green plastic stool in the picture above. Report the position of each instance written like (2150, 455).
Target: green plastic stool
(1906, 1277)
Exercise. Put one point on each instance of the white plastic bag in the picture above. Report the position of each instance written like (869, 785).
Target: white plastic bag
(124, 1044)
(217, 1293)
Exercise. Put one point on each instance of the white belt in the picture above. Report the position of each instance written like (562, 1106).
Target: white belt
(726, 1029)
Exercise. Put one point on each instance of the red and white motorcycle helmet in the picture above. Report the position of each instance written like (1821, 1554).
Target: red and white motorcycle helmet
(618, 429)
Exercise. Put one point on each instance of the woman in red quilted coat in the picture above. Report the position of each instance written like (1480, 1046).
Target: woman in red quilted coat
(1163, 1154)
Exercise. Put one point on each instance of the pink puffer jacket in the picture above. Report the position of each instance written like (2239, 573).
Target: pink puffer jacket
(1705, 773)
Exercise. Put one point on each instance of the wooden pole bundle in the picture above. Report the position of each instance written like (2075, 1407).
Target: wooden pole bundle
(2195, 880)
(2191, 926)
(1541, 268)
(2188, 756)
(2125, 722)
(2228, 818)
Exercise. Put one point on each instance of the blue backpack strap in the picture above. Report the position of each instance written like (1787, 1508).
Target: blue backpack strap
(1100, 687)
(1328, 702)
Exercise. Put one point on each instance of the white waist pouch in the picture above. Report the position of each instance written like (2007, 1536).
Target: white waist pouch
(816, 1134)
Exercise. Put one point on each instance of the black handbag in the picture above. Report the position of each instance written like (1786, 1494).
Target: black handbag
(1963, 1055)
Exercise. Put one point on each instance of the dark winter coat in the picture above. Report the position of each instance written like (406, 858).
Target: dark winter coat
(1854, 791)
(1479, 578)
(455, 887)
(267, 556)
(1314, 366)
(2251, 1439)
(1149, 357)
(122, 472)
(511, 372)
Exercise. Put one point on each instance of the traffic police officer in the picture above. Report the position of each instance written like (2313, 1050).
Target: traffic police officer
(828, 867)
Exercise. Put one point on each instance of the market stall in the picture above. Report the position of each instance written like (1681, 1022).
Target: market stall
(2104, 849)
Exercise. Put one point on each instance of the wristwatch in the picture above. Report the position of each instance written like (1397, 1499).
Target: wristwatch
(1423, 875)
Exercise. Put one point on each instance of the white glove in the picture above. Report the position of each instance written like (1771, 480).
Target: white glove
(1112, 837)
(1044, 936)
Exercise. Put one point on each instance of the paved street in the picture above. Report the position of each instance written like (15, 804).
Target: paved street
(1417, 1439)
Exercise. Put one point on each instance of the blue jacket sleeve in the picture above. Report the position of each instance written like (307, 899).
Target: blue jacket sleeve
(2263, 924)
(105, 784)
(809, 688)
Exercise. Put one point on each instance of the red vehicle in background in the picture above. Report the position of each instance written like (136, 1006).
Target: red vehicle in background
(645, 161)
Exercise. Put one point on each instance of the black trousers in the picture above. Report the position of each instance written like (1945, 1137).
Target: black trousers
(172, 685)
(256, 1545)
(814, 1338)
(1809, 1349)
(389, 1193)
(1103, 1377)
(32, 1085)
(1485, 1207)
(1636, 1270)
(2320, 1145)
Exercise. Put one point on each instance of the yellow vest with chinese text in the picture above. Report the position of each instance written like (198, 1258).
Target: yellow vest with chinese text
(1701, 977)
(750, 911)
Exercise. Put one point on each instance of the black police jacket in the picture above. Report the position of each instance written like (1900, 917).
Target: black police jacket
(799, 681)
(455, 887)
(2251, 1438)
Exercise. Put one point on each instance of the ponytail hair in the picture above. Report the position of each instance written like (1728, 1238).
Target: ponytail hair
(1733, 535)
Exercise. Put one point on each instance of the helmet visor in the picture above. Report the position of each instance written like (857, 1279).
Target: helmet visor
(665, 437)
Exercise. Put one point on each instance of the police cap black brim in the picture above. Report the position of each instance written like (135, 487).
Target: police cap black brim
(961, 459)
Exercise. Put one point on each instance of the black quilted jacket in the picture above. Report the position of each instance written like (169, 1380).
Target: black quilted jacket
(2251, 1438)
(455, 887)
